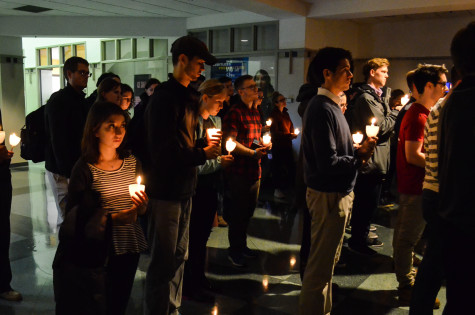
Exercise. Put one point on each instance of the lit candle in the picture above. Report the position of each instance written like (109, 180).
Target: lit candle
(266, 139)
(265, 283)
(215, 310)
(372, 131)
(2, 136)
(14, 140)
(293, 261)
(296, 131)
(357, 137)
(230, 146)
(405, 99)
(269, 122)
(212, 132)
(133, 188)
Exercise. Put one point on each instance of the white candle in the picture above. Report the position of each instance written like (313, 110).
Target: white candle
(372, 131)
(265, 283)
(230, 145)
(293, 261)
(405, 99)
(2, 136)
(215, 310)
(266, 139)
(269, 122)
(357, 137)
(296, 131)
(133, 188)
(212, 132)
(14, 140)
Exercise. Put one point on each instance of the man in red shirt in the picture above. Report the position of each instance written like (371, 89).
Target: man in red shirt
(430, 82)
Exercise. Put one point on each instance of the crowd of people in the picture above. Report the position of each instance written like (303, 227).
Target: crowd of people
(178, 143)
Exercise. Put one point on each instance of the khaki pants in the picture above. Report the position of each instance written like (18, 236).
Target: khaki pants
(329, 212)
(407, 232)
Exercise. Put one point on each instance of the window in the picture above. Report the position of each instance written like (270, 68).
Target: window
(55, 56)
(243, 39)
(67, 52)
(143, 47)
(160, 48)
(125, 46)
(43, 57)
(267, 37)
(220, 40)
(80, 50)
(201, 35)
(108, 49)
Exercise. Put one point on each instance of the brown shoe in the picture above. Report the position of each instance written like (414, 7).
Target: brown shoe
(221, 222)
(11, 295)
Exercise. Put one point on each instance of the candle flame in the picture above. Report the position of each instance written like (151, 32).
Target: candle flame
(215, 310)
(14, 139)
(293, 261)
(405, 99)
(373, 121)
(265, 283)
(297, 131)
(139, 179)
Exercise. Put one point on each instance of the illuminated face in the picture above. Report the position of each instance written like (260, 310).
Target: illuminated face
(440, 88)
(113, 96)
(341, 78)
(194, 67)
(248, 92)
(379, 76)
(126, 100)
(214, 103)
(111, 132)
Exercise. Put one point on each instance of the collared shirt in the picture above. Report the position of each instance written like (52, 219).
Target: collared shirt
(244, 124)
(379, 91)
(330, 95)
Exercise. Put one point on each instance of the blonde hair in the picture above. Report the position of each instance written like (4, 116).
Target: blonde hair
(374, 64)
(211, 88)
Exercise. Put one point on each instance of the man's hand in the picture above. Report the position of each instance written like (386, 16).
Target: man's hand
(260, 152)
(4, 153)
(226, 160)
(212, 152)
(215, 139)
(367, 149)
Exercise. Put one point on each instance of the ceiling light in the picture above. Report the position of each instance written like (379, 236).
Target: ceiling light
(244, 40)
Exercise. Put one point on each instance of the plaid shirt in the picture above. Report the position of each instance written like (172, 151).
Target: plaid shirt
(244, 124)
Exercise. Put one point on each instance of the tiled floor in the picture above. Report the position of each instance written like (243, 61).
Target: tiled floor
(367, 285)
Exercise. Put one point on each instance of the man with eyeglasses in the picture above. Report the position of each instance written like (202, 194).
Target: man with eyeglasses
(243, 124)
(430, 82)
(65, 116)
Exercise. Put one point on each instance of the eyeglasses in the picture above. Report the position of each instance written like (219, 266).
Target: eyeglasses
(251, 87)
(85, 73)
(444, 84)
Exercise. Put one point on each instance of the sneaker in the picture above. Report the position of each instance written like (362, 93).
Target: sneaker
(250, 253)
(221, 221)
(372, 235)
(374, 242)
(279, 194)
(11, 295)
(362, 250)
(372, 228)
(237, 260)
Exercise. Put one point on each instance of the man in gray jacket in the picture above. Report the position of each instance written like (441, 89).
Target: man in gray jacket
(371, 103)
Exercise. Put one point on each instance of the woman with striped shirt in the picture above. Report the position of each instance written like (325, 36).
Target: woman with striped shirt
(105, 169)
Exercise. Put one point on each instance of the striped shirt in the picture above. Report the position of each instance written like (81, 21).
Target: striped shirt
(431, 180)
(114, 189)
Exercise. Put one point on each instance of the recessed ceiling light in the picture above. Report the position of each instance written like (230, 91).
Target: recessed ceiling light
(32, 9)
(244, 40)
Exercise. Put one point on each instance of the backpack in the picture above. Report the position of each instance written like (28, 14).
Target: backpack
(33, 136)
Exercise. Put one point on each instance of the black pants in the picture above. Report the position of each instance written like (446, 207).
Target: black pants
(367, 191)
(119, 282)
(5, 210)
(243, 194)
(204, 205)
(283, 167)
(431, 271)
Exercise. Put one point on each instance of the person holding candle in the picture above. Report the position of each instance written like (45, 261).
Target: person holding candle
(6, 291)
(331, 165)
(205, 200)
(171, 120)
(430, 82)
(243, 125)
(371, 103)
(282, 132)
(104, 216)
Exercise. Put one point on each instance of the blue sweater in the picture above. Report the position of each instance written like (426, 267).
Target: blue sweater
(329, 161)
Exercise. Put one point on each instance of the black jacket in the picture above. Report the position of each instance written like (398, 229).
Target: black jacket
(65, 117)
(368, 105)
(171, 119)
